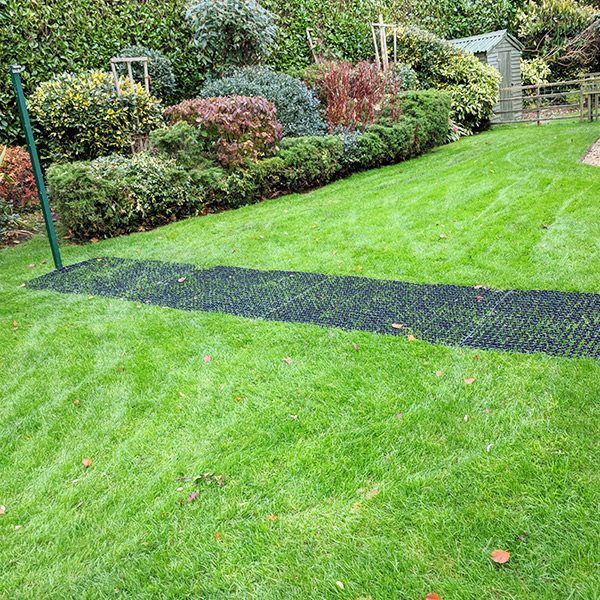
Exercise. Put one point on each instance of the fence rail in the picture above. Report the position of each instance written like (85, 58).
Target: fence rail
(578, 98)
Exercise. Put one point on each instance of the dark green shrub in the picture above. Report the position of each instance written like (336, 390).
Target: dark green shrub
(9, 219)
(116, 194)
(310, 161)
(162, 80)
(231, 129)
(298, 109)
(442, 65)
(83, 117)
(180, 142)
(431, 110)
(231, 33)
(404, 77)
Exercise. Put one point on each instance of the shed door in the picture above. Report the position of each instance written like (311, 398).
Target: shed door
(504, 68)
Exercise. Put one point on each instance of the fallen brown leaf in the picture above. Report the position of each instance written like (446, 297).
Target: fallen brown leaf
(469, 380)
(218, 536)
(287, 359)
(86, 462)
(500, 556)
(433, 596)
(439, 373)
(411, 338)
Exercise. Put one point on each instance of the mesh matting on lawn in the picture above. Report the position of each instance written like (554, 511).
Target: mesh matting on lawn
(557, 323)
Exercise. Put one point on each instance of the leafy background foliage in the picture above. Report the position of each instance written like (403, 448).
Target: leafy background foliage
(54, 36)
(231, 33)
(17, 183)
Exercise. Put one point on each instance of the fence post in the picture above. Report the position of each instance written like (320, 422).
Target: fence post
(15, 76)
(537, 103)
(581, 119)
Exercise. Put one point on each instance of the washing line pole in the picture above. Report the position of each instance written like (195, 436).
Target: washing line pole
(15, 75)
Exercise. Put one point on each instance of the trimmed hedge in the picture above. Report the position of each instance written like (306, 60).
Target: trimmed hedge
(117, 195)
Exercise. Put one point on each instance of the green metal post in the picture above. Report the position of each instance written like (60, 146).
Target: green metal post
(15, 75)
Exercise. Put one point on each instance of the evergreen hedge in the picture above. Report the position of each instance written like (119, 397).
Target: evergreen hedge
(117, 194)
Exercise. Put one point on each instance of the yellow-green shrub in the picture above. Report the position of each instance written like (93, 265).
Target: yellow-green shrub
(473, 85)
(83, 116)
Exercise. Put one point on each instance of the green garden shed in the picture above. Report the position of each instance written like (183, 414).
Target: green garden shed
(501, 50)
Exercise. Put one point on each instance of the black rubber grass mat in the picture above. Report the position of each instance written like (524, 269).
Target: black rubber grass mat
(556, 323)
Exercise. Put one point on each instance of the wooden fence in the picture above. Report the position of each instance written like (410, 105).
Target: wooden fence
(578, 98)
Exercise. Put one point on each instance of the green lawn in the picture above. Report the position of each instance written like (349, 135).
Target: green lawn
(393, 507)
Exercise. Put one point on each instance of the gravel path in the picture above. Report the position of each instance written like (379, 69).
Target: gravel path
(592, 154)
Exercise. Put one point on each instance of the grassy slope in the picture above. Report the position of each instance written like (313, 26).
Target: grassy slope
(152, 410)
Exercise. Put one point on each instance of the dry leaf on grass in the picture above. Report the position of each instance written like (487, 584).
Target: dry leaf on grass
(433, 596)
(2, 510)
(218, 536)
(500, 556)
(339, 584)
(86, 462)
(469, 380)
(439, 373)
(411, 338)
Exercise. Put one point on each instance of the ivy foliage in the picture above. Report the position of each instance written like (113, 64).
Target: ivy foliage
(55, 36)
(83, 117)
(231, 33)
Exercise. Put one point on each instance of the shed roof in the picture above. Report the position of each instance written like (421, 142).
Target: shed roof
(486, 41)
